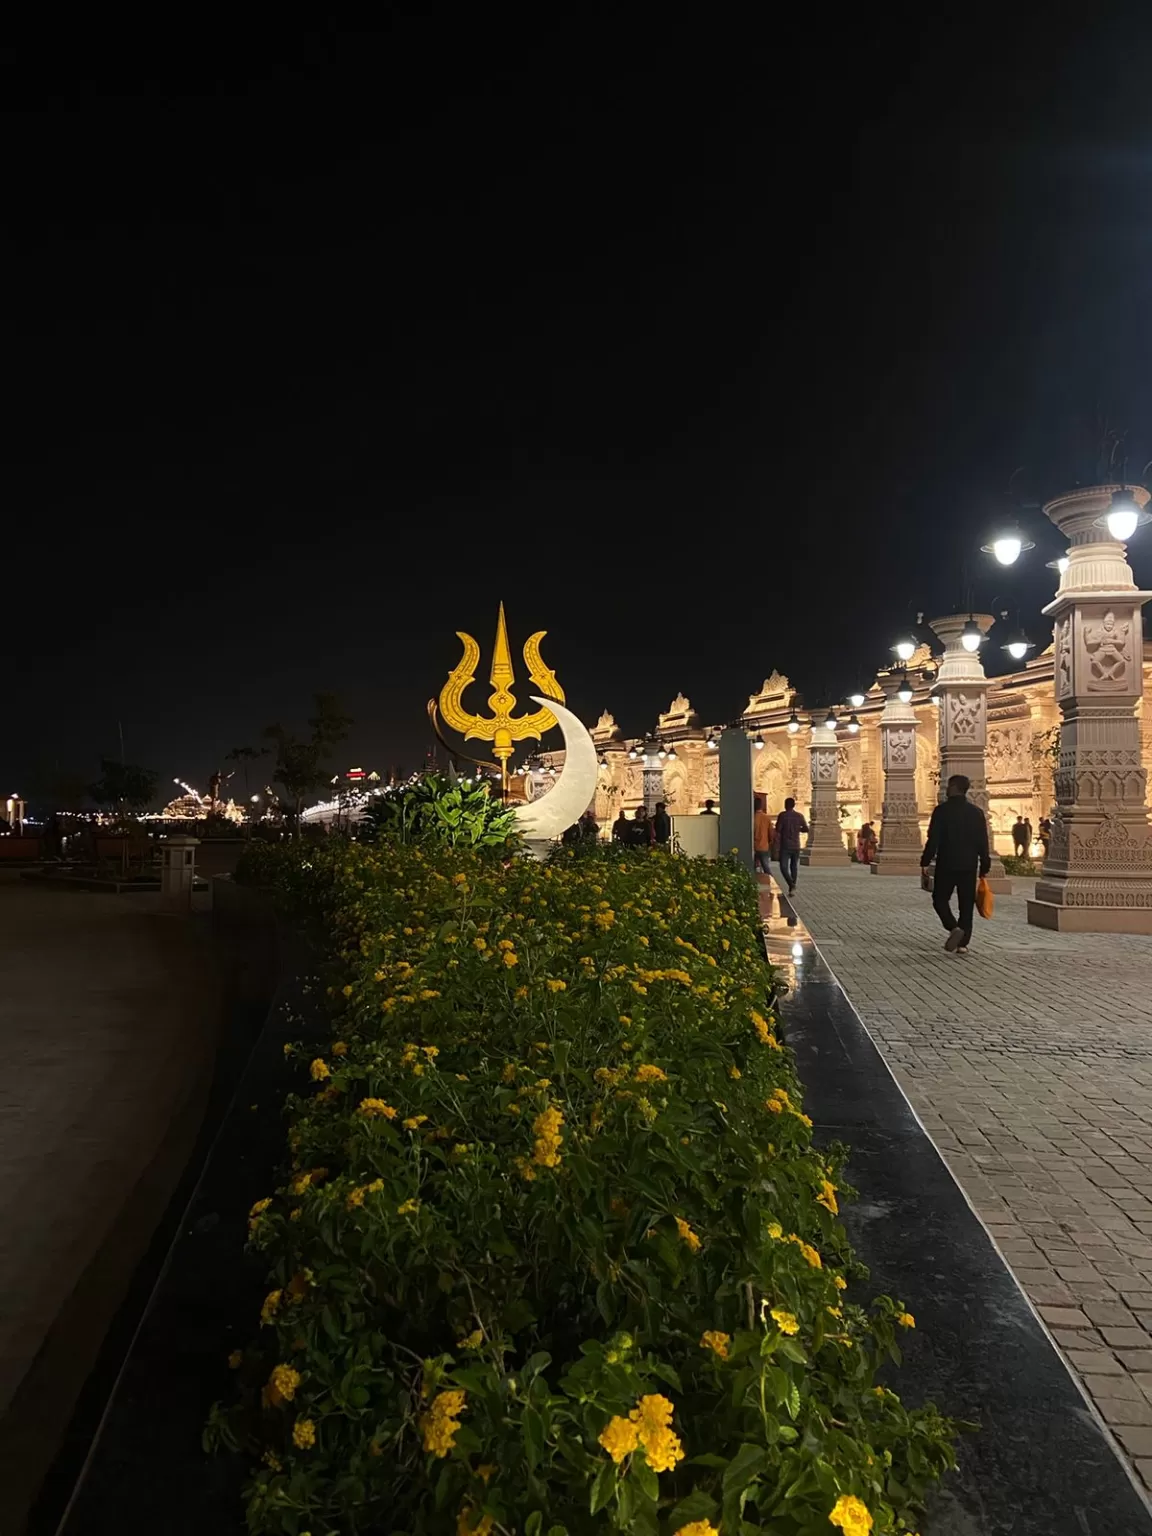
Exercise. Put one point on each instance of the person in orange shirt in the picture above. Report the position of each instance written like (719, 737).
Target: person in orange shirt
(763, 827)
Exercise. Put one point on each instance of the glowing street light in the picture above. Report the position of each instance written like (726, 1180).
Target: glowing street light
(1008, 545)
(758, 742)
(793, 723)
(1017, 645)
(830, 721)
(971, 636)
(856, 700)
(853, 725)
(904, 691)
(905, 647)
(1124, 516)
(1059, 564)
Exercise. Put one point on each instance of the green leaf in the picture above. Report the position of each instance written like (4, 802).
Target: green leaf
(606, 1302)
(518, 1314)
(747, 1464)
(533, 1437)
(533, 1523)
(699, 1505)
(535, 1364)
(603, 1487)
(330, 1326)
(666, 1373)
(645, 1477)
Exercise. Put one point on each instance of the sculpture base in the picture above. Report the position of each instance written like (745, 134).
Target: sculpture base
(897, 864)
(1046, 914)
(825, 858)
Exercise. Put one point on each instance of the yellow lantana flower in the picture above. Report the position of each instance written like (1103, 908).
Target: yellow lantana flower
(687, 1234)
(373, 1108)
(620, 1437)
(319, 1070)
(304, 1434)
(851, 1515)
(905, 1319)
(715, 1341)
(785, 1321)
(651, 1074)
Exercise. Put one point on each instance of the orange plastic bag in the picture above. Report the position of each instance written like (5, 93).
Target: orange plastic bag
(985, 901)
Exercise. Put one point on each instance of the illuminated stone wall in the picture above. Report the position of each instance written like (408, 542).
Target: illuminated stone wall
(1022, 711)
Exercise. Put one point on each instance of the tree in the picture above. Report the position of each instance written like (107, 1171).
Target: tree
(300, 762)
(123, 786)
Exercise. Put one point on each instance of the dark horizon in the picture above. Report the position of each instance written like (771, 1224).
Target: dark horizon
(707, 356)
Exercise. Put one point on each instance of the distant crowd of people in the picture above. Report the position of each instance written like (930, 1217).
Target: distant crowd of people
(643, 831)
(1023, 836)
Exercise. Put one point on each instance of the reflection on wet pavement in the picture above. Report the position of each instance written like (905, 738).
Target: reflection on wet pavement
(788, 942)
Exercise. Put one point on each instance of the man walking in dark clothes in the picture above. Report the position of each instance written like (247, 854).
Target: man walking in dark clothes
(958, 841)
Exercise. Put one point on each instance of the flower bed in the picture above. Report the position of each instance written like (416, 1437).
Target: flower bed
(556, 1252)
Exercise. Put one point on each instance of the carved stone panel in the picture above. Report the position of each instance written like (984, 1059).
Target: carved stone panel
(1062, 641)
(899, 747)
(1107, 650)
(964, 718)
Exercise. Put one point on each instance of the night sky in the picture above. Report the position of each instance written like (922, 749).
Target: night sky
(710, 351)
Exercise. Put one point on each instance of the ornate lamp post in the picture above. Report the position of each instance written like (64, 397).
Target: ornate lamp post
(900, 841)
(961, 689)
(825, 844)
(1098, 873)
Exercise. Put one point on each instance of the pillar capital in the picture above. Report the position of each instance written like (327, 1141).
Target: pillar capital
(960, 665)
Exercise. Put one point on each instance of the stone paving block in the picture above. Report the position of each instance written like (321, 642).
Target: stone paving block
(1113, 1386)
(1065, 1317)
(1136, 1440)
(1126, 1338)
(1097, 1362)
(1108, 1314)
(1118, 1412)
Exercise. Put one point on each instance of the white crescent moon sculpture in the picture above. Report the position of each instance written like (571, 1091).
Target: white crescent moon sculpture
(572, 793)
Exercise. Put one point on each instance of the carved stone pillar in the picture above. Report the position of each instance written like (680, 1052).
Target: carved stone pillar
(825, 843)
(653, 782)
(1098, 874)
(962, 689)
(900, 840)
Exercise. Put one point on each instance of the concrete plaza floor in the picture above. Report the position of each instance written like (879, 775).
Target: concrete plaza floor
(109, 1015)
(1030, 1064)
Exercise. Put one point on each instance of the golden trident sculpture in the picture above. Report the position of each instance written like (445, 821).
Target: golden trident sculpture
(501, 728)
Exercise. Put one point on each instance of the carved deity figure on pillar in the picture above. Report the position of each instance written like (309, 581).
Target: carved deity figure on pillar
(1098, 873)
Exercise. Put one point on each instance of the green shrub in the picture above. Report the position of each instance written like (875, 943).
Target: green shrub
(1022, 868)
(556, 1252)
(434, 807)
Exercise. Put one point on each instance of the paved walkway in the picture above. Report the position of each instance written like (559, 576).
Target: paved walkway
(108, 1023)
(1030, 1064)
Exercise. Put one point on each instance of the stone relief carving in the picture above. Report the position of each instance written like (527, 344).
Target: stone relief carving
(824, 767)
(963, 716)
(899, 744)
(1009, 755)
(1063, 665)
(1107, 645)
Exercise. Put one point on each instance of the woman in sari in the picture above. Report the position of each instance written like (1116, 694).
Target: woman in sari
(865, 844)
